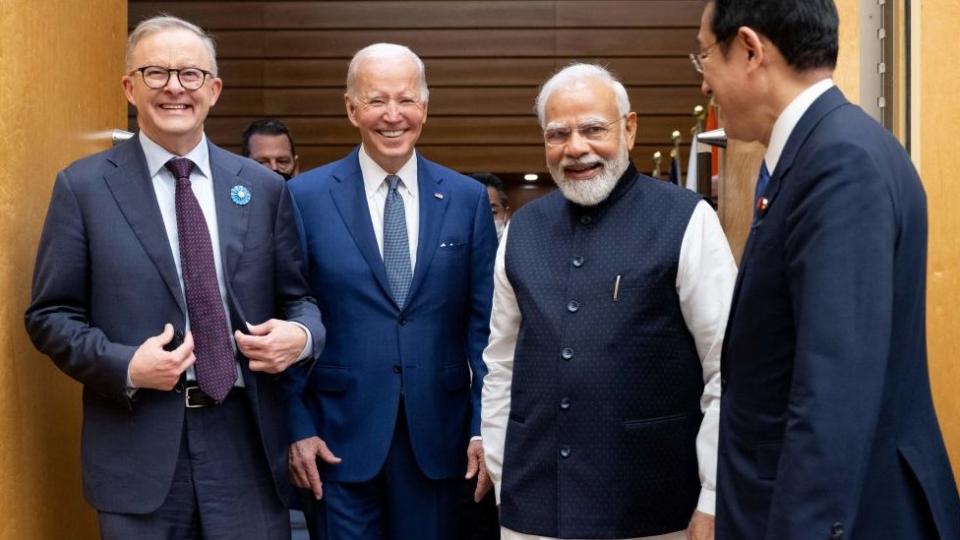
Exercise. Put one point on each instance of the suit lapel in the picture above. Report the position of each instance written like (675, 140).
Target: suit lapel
(434, 201)
(232, 219)
(350, 198)
(823, 105)
(132, 189)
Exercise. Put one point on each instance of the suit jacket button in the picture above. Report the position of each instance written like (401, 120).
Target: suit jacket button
(578, 262)
(396, 368)
(836, 531)
(402, 321)
(566, 353)
(573, 306)
(565, 403)
(565, 451)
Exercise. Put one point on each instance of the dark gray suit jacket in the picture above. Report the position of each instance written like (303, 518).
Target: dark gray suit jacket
(105, 281)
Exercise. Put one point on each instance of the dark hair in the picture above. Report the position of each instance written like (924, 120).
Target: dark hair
(265, 126)
(491, 180)
(804, 31)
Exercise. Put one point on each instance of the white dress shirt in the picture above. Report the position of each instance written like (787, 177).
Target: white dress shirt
(705, 279)
(376, 189)
(788, 120)
(201, 183)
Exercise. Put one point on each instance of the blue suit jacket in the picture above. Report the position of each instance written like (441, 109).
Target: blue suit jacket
(105, 281)
(350, 398)
(827, 425)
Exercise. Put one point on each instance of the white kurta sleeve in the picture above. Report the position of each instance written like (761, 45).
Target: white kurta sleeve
(705, 279)
(495, 408)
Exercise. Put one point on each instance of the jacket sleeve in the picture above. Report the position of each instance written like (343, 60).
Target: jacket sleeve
(482, 253)
(57, 319)
(839, 250)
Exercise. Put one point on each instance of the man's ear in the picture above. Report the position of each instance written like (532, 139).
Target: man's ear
(351, 109)
(752, 44)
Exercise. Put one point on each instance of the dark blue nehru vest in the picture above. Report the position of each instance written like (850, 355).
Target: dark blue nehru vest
(605, 403)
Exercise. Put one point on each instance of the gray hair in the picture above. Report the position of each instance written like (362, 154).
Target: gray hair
(576, 74)
(162, 22)
(386, 51)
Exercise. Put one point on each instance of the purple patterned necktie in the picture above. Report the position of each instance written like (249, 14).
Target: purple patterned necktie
(215, 367)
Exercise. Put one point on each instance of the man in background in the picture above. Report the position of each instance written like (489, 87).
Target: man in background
(169, 283)
(498, 199)
(601, 405)
(827, 424)
(268, 142)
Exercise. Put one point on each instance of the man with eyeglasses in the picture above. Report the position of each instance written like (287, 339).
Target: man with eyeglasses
(400, 255)
(828, 428)
(168, 282)
(601, 404)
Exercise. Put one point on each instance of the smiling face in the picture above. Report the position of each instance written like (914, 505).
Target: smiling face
(385, 105)
(587, 169)
(171, 116)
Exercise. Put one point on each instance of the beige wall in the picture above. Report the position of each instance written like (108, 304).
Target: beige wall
(940, 168)
(60, 64)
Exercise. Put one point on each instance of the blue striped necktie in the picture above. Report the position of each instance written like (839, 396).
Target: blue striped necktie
(396, 245)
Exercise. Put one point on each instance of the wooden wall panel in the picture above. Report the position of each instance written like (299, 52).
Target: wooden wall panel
(485, 62)
(60, 95)
(940, 163)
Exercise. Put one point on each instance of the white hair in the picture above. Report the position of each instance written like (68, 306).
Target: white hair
(577, 74)
(162, 22)
(386, 51)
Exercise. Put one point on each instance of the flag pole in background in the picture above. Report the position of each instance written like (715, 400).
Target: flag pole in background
(675, 171)
(657, 159)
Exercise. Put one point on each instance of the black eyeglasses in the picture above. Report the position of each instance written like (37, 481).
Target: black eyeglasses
(157, 77)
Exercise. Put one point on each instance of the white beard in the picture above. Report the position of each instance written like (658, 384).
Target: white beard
(595, 191)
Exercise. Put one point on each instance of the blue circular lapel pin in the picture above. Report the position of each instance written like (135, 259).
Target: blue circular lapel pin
(240, 195)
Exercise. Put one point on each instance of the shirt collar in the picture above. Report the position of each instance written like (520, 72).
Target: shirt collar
(789, 119)
(158, 156)
(373, 174)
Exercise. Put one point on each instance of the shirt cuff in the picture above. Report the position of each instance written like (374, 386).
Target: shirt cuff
(130, 389)
(308, 347)
(708, 501)
(476, 438)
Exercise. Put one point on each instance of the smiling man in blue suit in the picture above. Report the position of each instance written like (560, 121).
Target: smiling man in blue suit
(400, 253)
(827, 426)
(169, 282)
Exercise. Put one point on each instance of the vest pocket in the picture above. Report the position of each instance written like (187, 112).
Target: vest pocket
(645, 422)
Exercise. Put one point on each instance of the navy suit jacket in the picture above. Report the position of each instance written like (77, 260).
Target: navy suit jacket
(434, 345)
(105, 281)
(827, 424)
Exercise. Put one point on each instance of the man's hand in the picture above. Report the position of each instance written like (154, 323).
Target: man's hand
(701, 526)
(272, 346)
(158, 369)
(477, 467)
(303, 463)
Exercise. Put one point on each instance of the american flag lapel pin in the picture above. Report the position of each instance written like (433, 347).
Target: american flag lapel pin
(438, 195)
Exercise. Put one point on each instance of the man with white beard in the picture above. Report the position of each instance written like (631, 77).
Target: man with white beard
(601, 404)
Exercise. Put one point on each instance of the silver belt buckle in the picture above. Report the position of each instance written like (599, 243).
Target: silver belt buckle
(186, 397)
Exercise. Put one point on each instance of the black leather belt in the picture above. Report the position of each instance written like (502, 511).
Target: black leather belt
(195, 398)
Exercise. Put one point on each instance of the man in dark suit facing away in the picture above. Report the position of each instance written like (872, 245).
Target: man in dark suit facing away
(169, 283)
(827, 425)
